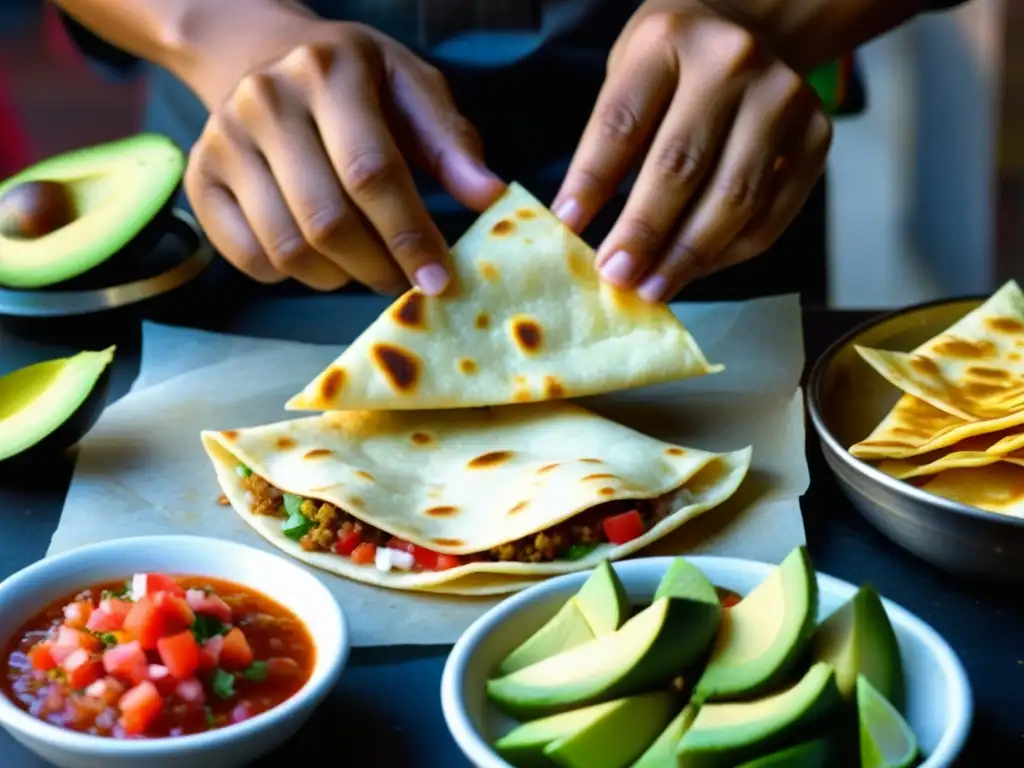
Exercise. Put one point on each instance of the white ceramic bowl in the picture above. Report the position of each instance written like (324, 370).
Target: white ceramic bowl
(27, 592)
(939, 705)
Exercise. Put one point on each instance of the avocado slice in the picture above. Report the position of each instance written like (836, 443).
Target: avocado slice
(810, 754)
(65, 215)
(646, 652)
(764, 634)
(858, 639)
(600, 607)
(727, 734)
(47, 407)
(662, 753)
(683, 579)
(524, 745)
(617, 740)
(886, 740)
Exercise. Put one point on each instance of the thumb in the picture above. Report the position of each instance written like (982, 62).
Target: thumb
(443, 140)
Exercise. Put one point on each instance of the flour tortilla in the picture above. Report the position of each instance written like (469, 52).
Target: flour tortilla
(998, 487)
(525, 320)
(465, 481)
(973, 452)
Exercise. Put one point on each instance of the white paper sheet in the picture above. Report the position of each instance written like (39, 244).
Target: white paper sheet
(142, 470)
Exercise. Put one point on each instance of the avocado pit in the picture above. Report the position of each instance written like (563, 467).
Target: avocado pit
(35, 209)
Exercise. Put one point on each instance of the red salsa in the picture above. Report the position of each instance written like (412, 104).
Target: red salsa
(157, 656)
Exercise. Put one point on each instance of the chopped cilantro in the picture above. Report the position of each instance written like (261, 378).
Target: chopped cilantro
(120, 594)
(578, 550)
(256, 672)
(292, 504)
(108, 639)
(204, 627)
(209, 717)
(296, 526)
(56, 675)
(223, 683)
(243, 470)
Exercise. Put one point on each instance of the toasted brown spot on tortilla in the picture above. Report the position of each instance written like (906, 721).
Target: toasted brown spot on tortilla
(317, 453)
(503, 227)
(526, 213)
(332, 383)
(434, 492)
(528, 334)
(491, 459)
(285, 443)
(223, 500)
(467, 366)
(519, 507)
(1005, 324)
(965, 348)
(365, 475)
(675, 451)
(591, 461)
(522, 396)
(602, 476)
(399, 365)
(553, 388)
(547, 468)
(421, 438)
(355, 501)
(924, 365)
(577, 262)
(606, 491)
(410, 311)
(1014, 357)
(528, 240)
(230, 434)
(448, 542)
(482, 322)
(488, 270)
(441, 511)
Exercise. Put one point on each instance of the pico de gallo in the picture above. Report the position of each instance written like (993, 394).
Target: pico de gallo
(324, 527)
(157, 656)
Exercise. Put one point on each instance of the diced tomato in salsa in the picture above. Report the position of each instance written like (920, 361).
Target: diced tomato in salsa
(163, 656)
(624, 527)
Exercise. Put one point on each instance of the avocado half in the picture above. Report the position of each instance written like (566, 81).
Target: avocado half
(48, 407)
(118, 197)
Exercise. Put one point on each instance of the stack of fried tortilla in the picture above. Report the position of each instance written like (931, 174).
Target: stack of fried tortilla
(958, 429)
(446, 456)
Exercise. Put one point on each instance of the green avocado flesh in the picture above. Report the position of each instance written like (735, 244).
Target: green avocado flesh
(600, 607)
(648, 651)
(115, 189)
(886, 740)
(725, 735)
(594, 689)
(35, 401)
(858, 639)
(764, 634)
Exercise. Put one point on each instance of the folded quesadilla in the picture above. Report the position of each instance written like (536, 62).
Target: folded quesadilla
(526, 319)
(467, 501)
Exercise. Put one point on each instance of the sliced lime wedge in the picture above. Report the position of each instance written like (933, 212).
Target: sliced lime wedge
(886, 740)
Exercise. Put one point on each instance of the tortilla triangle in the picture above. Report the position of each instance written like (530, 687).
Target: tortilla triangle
(525, 320)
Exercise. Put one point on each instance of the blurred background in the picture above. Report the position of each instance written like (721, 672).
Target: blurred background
(927, 187)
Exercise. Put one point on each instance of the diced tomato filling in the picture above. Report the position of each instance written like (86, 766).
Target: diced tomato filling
(139, 707)
(624, 527)
(180, 653)
(346, 543)
(444, 562)
(426, 559)
(364, 554)
(208, 605)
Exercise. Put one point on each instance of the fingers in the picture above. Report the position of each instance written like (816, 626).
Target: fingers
(808, 160)
(446, 143)
(777, 105)
(374, 174)
(326, 219)
(626, 113)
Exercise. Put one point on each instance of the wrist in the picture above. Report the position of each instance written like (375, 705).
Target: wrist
(205, 48)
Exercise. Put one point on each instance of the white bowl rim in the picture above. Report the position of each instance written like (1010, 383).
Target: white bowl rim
(315, 688)
(481, 754)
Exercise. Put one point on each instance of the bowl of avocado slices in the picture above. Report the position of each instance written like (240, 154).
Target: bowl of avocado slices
(704, 662)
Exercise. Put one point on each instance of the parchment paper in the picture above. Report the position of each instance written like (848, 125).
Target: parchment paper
(142, 470)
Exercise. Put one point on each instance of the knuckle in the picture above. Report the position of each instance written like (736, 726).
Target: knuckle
(821, 132)
(255, 95)
(740, 194)
(680, 161)
(322, 226)
(660, 29)
(367, 170)
(642, 234)
(310, 60)
(252, 262)
(736, 47)
(286, 250)
(408, 243)
(619, 120)
(791, 86)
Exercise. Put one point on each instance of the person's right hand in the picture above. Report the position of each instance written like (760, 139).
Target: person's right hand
(302, 168)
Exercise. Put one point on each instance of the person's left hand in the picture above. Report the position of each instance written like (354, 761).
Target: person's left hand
(735, 141)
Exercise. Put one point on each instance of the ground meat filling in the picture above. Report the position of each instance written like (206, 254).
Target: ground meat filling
(569, 540)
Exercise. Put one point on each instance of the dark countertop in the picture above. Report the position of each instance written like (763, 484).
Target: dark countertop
(386, 709)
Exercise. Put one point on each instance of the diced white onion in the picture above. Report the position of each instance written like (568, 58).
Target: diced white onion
(402, 559)
(383, 559)
(138, 586)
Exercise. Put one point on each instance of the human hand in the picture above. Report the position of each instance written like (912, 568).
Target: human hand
(735, 141)
(302, 168)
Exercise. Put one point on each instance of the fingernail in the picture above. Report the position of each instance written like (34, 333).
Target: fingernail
(568, 211)
(653, 289)
(618, 268)
(432, 279)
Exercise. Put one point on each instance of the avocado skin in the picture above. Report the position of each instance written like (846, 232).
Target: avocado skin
(54, 445)
(810, 754)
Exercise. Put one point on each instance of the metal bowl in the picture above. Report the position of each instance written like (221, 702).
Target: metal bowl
(847, 399)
